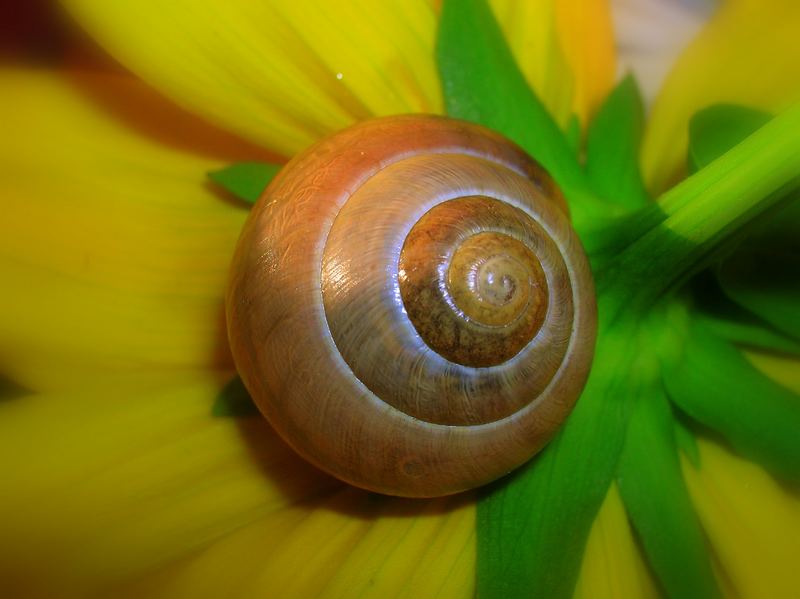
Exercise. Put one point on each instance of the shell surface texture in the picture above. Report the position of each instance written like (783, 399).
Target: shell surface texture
(410, 308)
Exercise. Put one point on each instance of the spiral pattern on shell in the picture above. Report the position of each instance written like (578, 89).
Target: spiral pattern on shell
(410, 307)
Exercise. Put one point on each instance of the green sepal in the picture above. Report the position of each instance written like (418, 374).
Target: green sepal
(483, 84)
(245, 180)
(753, 334)
(658, 504)
(718, 387)
(716, 129)
(233, 401)
(612, 147)
(533, 526)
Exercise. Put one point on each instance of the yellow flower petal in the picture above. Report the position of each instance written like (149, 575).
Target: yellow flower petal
(100, 488)
(114, 249)
(565, 48)
(352, 544)
(283, 73)
(613, 567)
(532, 33)
(747, 54)
(752, 522)
(785, 370)
(587, 35)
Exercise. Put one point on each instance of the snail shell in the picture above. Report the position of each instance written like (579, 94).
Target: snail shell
(410, 308)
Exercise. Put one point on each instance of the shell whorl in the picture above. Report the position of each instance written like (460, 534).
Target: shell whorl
(410, 308)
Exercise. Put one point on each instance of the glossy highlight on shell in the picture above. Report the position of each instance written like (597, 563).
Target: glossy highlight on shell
(410, 308)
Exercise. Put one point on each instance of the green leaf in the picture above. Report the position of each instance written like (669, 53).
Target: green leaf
(483, 84)
(716, 129)
(245, 180)
(234, 401)
(658, 504)
(532, 527)
(716, 385)
(612, 148)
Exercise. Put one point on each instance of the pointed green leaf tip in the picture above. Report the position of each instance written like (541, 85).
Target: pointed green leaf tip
(716, 385)
(716, 129)
(245, 180)
(234, 401)
(612, 147)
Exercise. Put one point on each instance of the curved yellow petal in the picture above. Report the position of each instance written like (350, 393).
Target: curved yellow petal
(532, 33)
(747, 54)
(103, 487)
(351, 544)
(587, 35)
(785, 370)
(565, 49)
(283, 73)
(113, 247)
(613, 567)
(752, 522)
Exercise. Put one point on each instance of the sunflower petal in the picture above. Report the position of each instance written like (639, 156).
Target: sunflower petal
(612, 563)
(752, 522)
(531, 31)
(351, 544)
(747, 54)
(118, 255)
(282, 73)
(587, 36)
(104, 486)
(565, 49)
(781, 370)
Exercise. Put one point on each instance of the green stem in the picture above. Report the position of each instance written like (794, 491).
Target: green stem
(698, 215)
